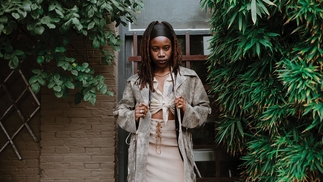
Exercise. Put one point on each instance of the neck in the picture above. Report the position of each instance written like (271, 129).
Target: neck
(162, 74)
(162, 70)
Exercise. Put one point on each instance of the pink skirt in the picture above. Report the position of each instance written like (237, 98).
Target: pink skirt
(164, 163)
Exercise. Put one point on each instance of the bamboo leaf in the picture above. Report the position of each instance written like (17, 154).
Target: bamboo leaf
(232, 132)
(239, 125)
(254, 11)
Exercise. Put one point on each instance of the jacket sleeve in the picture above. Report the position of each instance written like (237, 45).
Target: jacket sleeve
(198, 108)
(124, 112)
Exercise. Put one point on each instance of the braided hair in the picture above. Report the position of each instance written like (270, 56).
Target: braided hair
(146, 73)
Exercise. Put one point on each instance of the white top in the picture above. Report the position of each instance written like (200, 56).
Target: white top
(163, 101)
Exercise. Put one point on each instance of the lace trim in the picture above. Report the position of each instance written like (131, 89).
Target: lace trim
(158, 138)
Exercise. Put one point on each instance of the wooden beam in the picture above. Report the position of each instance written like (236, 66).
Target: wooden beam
(184, 58)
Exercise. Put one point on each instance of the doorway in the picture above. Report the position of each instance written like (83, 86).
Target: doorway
(192, 30)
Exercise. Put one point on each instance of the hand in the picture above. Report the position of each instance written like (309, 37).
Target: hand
(141, 111)
(180, 103)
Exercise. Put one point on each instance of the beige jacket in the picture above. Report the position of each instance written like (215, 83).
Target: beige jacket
(188, 85)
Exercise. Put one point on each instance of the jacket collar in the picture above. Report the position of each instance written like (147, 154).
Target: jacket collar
(181, 76)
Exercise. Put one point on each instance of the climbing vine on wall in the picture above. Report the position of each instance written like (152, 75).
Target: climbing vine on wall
(42, 30)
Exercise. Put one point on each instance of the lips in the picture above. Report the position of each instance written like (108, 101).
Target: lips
(162, 60)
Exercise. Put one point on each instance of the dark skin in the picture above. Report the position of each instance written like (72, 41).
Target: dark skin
(161, 54)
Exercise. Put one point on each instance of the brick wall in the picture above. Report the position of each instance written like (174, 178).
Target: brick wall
(77, 142)
(13, 169)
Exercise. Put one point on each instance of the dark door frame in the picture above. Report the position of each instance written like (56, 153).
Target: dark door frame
(127, 65)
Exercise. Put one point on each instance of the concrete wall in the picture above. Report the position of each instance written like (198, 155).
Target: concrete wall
(77, 142)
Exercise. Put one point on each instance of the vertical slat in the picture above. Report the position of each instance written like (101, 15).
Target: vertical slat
(187, 48)
(135, 51)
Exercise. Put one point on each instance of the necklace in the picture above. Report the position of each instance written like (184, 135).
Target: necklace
(162, 75)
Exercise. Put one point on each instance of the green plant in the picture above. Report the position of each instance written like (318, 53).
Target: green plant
(43, 31)
(266, 70)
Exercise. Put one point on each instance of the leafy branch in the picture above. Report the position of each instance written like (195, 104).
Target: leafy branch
(45, 32)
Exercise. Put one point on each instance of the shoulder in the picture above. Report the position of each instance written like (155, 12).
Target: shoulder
(133, 78)
(187, 72)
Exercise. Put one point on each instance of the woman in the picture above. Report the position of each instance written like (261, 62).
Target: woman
(160, 105)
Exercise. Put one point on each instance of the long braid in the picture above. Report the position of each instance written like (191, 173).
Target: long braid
(177, 52)
(146, 76)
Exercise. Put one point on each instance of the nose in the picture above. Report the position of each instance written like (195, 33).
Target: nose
(161, 53)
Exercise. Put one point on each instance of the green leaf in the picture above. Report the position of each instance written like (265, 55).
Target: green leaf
(60, 13)
(96, 43)
(41, 81)
(26, 5)
(57, 88)
(7, 30)
(90, 97)
(109, 93)
(69, 85)
(269, 2)
(35, 87)
(49, 28)
(39, 29)
(51, 84)
(254, 11)
(85, 65)
(77, 24)
(240, 128)
(19, 53)
(33, 79)
(75, 72)
(14, 62)
(60, 49)
(15, 15)
(45, 20)
(1, 28)
(90, 13)
(36, 71)
(22, 13)
(232, 133)
(59, 94)
(91, 25)
(40, 59)
(3, 19)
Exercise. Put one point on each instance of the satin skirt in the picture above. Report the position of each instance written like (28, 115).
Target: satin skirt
(164, 163)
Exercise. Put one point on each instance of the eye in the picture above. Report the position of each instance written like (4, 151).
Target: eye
(155, 49)
(166, 48)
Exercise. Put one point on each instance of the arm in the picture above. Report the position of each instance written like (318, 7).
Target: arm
(124, 112)
(198, 107)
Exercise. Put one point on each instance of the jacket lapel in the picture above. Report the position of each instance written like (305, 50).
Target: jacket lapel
(180, 78)
(145, 95)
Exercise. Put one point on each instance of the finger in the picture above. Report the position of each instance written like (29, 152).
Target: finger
(177, 100)
(146, 107)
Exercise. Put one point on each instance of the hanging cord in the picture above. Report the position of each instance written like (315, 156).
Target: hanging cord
(127, 141)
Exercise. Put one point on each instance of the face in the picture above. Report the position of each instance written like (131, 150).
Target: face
(161, 52)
